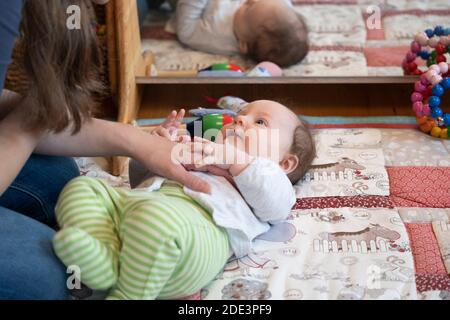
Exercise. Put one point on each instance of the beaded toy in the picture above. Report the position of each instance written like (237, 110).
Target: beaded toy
(426, 101)
(438, 39)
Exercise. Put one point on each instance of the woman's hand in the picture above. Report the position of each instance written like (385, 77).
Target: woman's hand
(100, 138)
(221, 157)
(214, 170)
(168, 159)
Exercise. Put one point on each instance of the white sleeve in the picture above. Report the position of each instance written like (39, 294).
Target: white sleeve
(191, 26)
(198, 28)
(267, 190)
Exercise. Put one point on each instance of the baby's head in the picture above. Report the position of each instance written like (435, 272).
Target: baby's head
(268, 129)
(269, 30)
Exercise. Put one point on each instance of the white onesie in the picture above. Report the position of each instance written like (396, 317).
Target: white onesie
(265, 197)
(207, 25)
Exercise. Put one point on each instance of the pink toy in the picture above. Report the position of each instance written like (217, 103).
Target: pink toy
(267, 69)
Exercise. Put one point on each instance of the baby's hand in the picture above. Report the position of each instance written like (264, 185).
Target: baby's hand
(169, 128)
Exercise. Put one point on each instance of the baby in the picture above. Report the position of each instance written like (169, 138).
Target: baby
(165, 241)
(265, 30)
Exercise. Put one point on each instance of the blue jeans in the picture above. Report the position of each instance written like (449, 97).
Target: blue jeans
(29, 269)
(10, 16)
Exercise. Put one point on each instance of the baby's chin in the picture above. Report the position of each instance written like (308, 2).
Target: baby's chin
(234, 141)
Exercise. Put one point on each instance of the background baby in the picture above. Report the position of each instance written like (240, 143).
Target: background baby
(264, 30)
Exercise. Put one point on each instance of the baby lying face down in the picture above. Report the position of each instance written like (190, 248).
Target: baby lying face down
(165, 241)
(270, 30)
(264, 30)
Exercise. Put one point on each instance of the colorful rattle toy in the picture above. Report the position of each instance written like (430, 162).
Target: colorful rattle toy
(426, 101)
(263, 69)
(208, 126)
(437, 39)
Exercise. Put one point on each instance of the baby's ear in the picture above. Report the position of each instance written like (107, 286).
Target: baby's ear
(243, 46)
(289, 163)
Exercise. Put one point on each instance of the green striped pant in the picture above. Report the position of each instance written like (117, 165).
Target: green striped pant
(136, 244)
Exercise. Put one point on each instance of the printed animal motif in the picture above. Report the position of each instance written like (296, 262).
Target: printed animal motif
(252, 260)
(357, 292)
(343, 143)
(328, 216)
(317, 272)
(351, 292)
(342, 62)
(243, 289)
(368, 234)
(394, 269)
(337, 167)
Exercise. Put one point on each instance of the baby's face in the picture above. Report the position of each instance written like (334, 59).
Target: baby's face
(251, 15)
(262, 129)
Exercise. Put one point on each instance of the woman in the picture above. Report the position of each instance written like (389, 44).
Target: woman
(38, 132)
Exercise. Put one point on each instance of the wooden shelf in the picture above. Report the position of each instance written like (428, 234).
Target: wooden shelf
(344, 99)
(277, 80)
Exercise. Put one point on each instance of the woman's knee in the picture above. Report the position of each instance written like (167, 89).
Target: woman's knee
(29, 269)
(36, 189)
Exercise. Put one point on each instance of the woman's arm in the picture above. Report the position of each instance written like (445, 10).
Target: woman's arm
(8, 100)
(105, 138)
(16, 145)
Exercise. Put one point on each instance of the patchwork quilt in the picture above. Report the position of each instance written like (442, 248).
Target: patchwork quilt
(372, 221)
(347, 37)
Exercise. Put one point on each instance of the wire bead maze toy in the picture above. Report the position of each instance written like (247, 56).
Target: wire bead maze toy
(426, 101)
(431, 46)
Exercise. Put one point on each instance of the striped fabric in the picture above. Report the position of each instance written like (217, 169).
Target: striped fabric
(140, 245)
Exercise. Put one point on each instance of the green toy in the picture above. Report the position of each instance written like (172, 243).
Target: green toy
(210, 124)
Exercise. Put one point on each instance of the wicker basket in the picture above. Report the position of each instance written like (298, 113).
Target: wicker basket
(16, 78)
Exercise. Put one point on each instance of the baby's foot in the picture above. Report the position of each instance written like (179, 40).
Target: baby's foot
(98, 264)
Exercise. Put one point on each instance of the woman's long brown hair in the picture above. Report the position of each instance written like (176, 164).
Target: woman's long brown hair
(62, 65)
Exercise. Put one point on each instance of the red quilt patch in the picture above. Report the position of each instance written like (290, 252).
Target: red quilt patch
(420, 186)
(431, 282)
(425, 249)
(341, 202)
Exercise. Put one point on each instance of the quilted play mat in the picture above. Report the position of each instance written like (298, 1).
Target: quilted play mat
(372, 220)
(342, 43)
